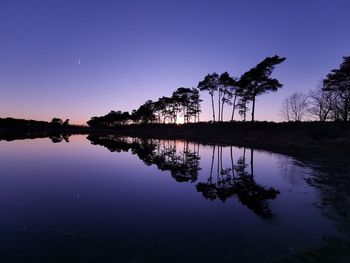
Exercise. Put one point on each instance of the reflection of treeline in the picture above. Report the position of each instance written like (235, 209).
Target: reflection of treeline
(185, 102)
(182, 160)
(183, 163)
(236, 181)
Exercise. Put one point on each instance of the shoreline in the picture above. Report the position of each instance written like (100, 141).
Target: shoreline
(303, 140)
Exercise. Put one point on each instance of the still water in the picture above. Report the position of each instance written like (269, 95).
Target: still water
(113, 199)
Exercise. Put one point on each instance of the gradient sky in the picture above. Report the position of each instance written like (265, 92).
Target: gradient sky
(78, 59)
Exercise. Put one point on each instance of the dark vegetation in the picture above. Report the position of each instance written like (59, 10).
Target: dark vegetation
(185, 102)
(11, 129)
(330, 101)
(300, 139)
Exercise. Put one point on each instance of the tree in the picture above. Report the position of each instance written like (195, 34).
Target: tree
(66, 122)
(295, 107)
(145, 113)
(285, 109)
(182, 97)
(188, 101)
(159, 107)
(242, 107)
(234, 95)
(169, 109)
(338, 83)
(210, 84)
(195, 104)
(226, 84)
(322, 103)
(257, 80)
(56, 121)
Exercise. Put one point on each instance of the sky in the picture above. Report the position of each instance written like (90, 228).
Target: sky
(78, 59)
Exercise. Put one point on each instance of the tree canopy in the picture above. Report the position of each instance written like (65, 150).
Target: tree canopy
(338, 82)
(257, 80)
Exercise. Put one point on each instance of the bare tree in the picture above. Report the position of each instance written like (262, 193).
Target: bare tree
(322, 103)
(295, 107)
(285, 109)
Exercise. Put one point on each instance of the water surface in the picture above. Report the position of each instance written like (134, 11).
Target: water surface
(113, 199)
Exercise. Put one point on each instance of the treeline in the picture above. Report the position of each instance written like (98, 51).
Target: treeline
(17, 129)
(330, 101)
(237, 93)
(183, 102)
(11, 123)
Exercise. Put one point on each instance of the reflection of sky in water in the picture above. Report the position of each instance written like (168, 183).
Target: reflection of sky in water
(70, 197)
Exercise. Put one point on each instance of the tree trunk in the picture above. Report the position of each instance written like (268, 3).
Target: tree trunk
(185, 114)
(233, 108)
(253, 109)
(245, 112)
(222, 111)
(198, 113)
(212, 105)
(219, 117)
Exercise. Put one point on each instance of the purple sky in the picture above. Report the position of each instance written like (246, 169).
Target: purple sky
(78, 59)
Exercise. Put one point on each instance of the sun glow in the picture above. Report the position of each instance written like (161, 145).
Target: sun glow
(179, 121)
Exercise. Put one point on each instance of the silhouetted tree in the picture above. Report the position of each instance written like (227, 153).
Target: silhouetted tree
(145, 113)
(295, 107)
(195, 104)
(321, 103)
(242, 104)
(66, 122)
(182, 97)
(257, 80)
(159, 107)
(226, 87)
(211, 85)
(170, 109)
(188, 101)
(234, 95)
(338, 82)
(56, 121)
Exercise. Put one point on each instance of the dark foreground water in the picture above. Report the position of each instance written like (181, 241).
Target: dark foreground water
(110, 199)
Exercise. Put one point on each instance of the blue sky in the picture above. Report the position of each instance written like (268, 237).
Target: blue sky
(78, 59)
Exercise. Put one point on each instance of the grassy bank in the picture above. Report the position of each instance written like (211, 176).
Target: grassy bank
(302, 139)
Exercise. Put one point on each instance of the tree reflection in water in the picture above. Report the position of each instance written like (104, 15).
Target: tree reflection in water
(183, 164)
(236, 181)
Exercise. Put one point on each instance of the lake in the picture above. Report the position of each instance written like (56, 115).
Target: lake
(120, 199)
